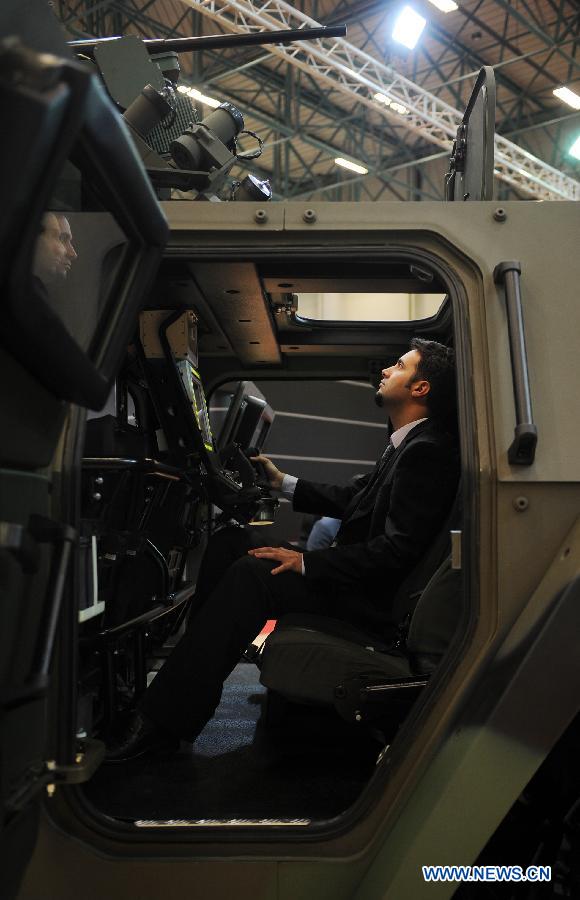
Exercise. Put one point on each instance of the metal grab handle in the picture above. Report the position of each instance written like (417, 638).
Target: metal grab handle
(523, 448)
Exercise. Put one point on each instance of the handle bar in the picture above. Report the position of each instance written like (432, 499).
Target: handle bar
(523, 448)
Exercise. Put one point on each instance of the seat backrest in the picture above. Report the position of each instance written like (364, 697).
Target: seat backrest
(413, 586)
(435, 619)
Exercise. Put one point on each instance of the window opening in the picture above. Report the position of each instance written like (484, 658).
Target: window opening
(351, 306)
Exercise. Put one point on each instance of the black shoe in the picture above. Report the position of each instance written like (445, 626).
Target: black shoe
(141, 737)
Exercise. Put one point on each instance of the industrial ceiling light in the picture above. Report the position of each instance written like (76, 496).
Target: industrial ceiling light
(568, 96)
(354, 167)
(575, 148)
(445, 5)
(197, 95)
(408, 27)
(392, 104)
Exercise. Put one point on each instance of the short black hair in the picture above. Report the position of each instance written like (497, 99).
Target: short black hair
(437, 366)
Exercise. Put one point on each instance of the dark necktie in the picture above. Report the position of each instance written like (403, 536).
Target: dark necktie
(382, 463)
(370, 487)
(387, 453)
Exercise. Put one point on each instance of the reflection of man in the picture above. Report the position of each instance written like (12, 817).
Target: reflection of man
(66, 239)
(54, 252)
(389, 519)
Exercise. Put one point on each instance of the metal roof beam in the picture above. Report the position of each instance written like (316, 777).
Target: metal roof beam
(528, 23)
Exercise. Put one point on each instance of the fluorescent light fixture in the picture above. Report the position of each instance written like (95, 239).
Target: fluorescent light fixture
(575, 148)
(445, 5)
(197, 95)
(568, 96)
(392, 104)
(353, 167)
(408, 27)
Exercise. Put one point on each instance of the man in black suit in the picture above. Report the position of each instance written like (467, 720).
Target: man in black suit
(389, 518)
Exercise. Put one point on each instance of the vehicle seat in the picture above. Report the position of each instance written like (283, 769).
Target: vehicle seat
(323, 661)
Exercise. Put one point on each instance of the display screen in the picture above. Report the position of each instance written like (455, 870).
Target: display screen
(248, 416)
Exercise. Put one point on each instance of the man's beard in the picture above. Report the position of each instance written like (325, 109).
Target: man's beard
(379, 399)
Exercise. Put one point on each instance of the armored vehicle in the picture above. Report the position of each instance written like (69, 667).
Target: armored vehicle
(145, 345)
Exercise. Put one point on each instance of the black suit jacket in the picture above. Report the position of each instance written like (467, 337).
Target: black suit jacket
(382, 538)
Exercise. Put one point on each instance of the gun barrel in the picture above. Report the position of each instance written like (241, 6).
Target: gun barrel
(221, 41)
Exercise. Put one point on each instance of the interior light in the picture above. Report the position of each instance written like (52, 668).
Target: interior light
(354, 167)
(197, 95)
(408, 27)
(575, 148)
(445, 5)
(568, 96)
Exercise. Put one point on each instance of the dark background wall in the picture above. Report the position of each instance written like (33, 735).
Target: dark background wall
(325, 431)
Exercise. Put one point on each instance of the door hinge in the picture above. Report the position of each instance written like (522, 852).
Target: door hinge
(87, 761)
(50, 774)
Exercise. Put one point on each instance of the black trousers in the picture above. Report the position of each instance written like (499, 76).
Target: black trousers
(185, 693)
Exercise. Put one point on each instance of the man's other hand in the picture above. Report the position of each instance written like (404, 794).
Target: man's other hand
(275, 476)
(290, 560)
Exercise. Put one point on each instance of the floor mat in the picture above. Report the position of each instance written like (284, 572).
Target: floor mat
(310, 765)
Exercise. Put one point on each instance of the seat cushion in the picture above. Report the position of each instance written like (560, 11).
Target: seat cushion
(307, 665)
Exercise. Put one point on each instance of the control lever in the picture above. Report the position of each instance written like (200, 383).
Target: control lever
(262, 480)
(253, 501)
(268, 503)
(235, 459)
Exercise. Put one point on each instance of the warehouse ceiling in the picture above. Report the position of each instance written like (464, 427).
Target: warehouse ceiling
(308, 118)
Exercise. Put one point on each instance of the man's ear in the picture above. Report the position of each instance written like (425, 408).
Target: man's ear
(420, 389)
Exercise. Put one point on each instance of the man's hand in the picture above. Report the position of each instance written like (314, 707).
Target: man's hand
(275, 476)
(290, 560)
